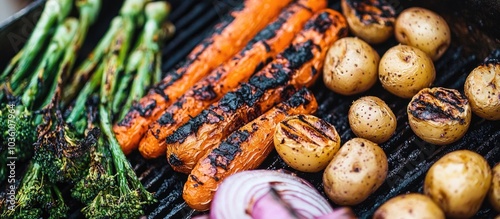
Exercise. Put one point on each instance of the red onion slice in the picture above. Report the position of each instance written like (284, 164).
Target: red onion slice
(236, 196)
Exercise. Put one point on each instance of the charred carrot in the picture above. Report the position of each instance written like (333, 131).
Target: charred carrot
(297, 66)
(228, 38)
(244, 149)
(259, 51)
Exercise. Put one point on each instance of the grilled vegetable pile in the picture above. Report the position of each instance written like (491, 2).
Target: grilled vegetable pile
(67, 127)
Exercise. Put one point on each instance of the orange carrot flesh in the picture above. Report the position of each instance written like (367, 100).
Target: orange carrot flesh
(228, 38)
(299, 65)
(262, 49)
(244, 149)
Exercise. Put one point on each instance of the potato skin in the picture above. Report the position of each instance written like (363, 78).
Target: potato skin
(351, 66)
(372, 20)
(409, 206)
(482, 88)
(306, 142)
(371, 118)
(356, 171)
(423, 29)
(458, 183)
(494, 193)
(405, 70)
(439, 115)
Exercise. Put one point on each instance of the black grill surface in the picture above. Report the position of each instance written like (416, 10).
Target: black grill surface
(409, 157)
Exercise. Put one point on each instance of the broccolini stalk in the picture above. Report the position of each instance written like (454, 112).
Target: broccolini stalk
(40, 81)
(35, 196)
(144, 61)
(130, 16)
(55, 12)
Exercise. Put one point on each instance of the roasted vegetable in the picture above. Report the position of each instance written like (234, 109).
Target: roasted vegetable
(357, 170)
(306, 142)
(370, 20)
(35, 196)
(228, 38)
(410, 206)
(297, 66)
(482, 89)
(244, 149)
(370, 118)
(261, 50)
(439, 115)
(405, 70)
(425, 30)
(458, 183)
(494, 192)
(351, 66)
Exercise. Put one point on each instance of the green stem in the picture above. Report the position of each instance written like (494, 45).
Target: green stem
(61, 40)
(54, 11)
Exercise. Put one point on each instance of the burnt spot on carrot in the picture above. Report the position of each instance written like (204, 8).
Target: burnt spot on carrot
(299, 98)
(205, 92)
(299, 54)
(321, 24)
(144, 111)
(174, 160)
(195, 179)
(228, 149)
(166, 118)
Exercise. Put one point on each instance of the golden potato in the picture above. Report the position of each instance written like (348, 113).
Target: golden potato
(458, 183)
(357, 170)
(482, 88)
(351, 66)
(494, 193)
(372, 21)
(306, 143)
(423, 29)
(439, 115)
(370, 118)
(409, 206)
(405, 70)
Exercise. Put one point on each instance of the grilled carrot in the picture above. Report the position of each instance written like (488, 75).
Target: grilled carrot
(259, 51)
(243, 149)
(228, 38)
(299, 65)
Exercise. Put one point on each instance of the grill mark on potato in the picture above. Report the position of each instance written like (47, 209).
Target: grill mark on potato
(439, 106)
(373, 11)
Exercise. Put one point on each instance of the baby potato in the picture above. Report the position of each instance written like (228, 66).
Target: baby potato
(494, 193)
(306, 143)
(423, 29)
(357, 170)
(370, 118)
(372, 21)
(482, 88)
(439, 115)
(409, 206)
(458, 183)
(405, 70)
(351, 66)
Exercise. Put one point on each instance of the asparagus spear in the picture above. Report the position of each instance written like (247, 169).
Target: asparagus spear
(144, 62)
(55, 12)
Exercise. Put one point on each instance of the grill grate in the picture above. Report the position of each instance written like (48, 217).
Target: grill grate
(409, 157)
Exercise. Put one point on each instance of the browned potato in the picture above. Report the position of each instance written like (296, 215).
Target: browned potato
(405, 70)
(482, 88)
(439, 115)
(409, 206)
(458, 183)
(355, 172)
(494, 194)
(370, 118)
(370, 20)
(423, 29)
(351, 66)
(306, 142)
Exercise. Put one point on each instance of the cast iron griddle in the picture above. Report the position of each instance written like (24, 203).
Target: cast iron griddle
(409, 157)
